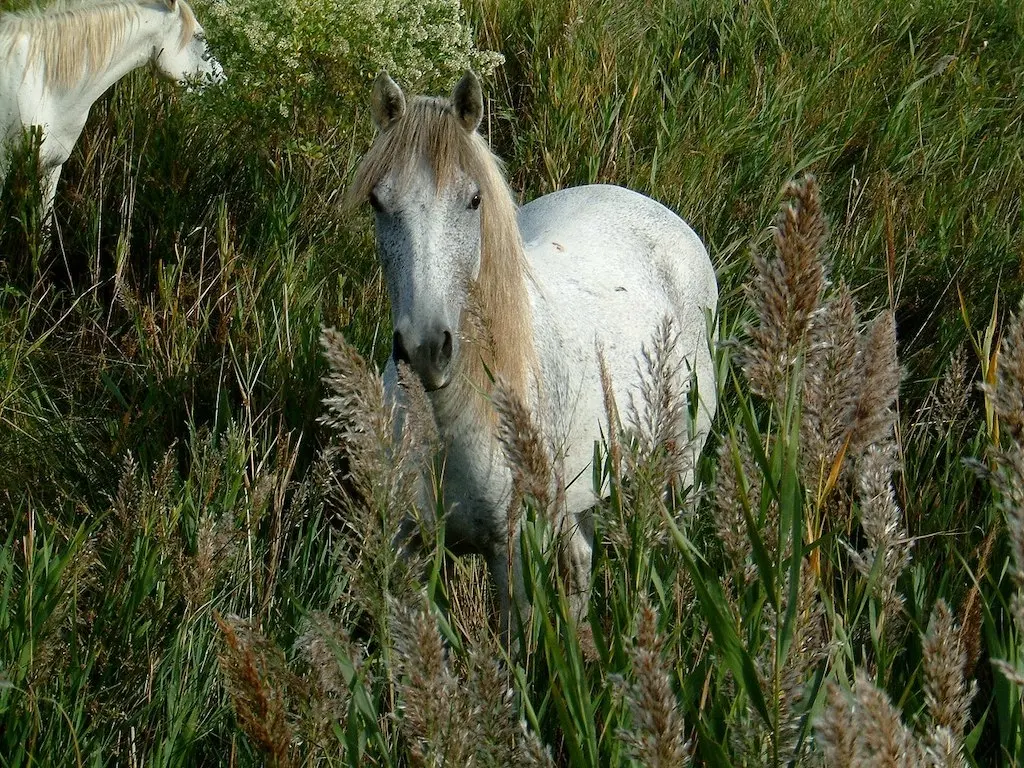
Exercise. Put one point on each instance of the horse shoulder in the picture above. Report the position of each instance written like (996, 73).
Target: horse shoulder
(13, 82)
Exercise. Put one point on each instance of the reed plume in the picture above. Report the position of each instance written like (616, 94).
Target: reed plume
(786, 292)
(453, 720)
(947, 693)
(1006, 394)
(882, 520)
(863, 727)
(656, 737)
(380, 476)
(431, 704)
(522, 442)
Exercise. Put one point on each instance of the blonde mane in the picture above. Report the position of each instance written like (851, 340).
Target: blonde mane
(496, 332)
(75, 40)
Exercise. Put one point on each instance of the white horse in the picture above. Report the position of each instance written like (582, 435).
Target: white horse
(57, 62)
(577, 270)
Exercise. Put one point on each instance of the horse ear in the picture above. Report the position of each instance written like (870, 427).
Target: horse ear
(172, 5)
(388, 102)
(468, 101)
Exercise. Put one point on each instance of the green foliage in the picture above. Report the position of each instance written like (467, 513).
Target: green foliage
(297, 65)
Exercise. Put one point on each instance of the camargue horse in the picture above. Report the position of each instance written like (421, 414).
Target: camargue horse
(57, 62)
(582, 269)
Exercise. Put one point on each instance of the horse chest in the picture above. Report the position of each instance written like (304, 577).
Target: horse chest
(477, 489)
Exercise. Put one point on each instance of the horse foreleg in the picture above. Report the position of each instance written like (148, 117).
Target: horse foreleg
(506, 567)
(579, 550)
(48, 192)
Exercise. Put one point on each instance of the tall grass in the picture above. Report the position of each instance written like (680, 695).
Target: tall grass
(197, 504)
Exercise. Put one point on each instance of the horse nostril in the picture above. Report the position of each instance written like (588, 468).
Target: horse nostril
(398, 350)
(446, 347)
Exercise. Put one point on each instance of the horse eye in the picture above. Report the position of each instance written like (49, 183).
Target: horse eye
(374, 201)
(475, 202)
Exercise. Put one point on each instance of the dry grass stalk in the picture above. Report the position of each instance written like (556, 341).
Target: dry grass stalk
(864, 728)
(847, 380)
(659, 421)
(786, 292)
(808, 650)
(328, 701)
(882, 521)
(947, 694)
(879, 372)
(834, 731)
(657, 736)
(522, 442)
(954, 391)
(654, 450)
(256, 678)
(883, 739)
(971, 608)
(216, 543)
(736, 481)
(382, 450)
(784, 681)
(429, 693)
(492, 726)
(832, 386)
(384, 491)
(614, 424)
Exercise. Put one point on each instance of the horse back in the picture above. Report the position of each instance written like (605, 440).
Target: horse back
(608, 266)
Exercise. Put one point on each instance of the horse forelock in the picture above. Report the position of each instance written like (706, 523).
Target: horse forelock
(497, 329)
(74, 39)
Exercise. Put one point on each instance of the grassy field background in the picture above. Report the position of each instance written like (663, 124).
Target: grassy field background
(186, 577)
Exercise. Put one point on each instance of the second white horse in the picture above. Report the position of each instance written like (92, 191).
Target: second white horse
(57, 63)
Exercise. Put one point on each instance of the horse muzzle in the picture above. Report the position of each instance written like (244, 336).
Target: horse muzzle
(429, 355)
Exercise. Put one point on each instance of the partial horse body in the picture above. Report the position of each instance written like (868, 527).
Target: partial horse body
(577, 271)
(58, 62)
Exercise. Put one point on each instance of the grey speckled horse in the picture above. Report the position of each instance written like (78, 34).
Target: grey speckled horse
(550, 283)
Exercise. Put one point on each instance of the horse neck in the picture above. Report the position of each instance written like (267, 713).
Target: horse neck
(497, 332)
(142, 36)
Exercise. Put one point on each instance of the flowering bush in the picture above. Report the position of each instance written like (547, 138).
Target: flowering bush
(292, 61)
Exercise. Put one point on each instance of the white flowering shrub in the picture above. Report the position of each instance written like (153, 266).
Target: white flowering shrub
(285, 57)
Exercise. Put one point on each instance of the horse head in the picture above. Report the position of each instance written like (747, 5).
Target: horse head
(425, 183)
(183, 53)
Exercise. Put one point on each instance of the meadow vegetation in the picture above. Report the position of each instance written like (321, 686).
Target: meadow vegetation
(198, 485)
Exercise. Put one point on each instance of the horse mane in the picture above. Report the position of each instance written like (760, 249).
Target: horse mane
(76, 39)
(496, 333)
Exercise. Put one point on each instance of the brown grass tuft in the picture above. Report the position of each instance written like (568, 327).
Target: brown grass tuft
(256, 678)
(523, 444)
